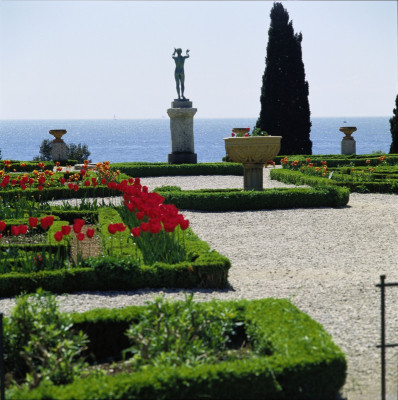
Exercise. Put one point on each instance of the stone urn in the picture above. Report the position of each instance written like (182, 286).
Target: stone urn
(348, 131)
(57, 133)
(348, 145)
(253, 152)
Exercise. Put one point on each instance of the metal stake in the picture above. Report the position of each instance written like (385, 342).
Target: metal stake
(2, 380)
(383, 339)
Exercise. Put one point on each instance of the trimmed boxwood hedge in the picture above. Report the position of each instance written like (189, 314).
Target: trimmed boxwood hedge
(141, 169)
(238, 200)
(298, 178)
(53, 193)
(304, 363)
(335, 160)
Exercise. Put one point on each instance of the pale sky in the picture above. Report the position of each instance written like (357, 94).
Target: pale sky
(94, 59)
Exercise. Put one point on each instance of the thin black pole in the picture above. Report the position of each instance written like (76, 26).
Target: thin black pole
(2, 381)
(383, 339)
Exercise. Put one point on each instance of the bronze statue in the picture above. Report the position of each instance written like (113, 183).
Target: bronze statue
(179, 71)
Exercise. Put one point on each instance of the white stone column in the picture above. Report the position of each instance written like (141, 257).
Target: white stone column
(181, 128)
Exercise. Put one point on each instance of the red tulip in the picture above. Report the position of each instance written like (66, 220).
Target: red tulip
(121, 227)
(62, 180)
(14, 230)
(86, 183)
(33, 222)
(136, 232)
(140, 215)
(112, 228)
(184, 224)
(77, 225)
(90, 233)
(155, 226)
(23, 229)
(2, 226)
(46, 222)
(103, 181)
(58, 236)
(66, 229)
(144, 226)
(80, 236)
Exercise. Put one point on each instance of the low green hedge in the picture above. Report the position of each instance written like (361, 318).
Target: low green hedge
(53, 193)
(335, 160)
(89, 216)
(304, 363)
(238, 200)
(298, 178)
(141, 169)
(119, 243)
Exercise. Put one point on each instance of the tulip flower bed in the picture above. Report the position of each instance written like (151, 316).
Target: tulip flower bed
(45, 184)
(381, 178)
(143, 169)
(272, 351)
(29, 166)
(145, 243)
(32, 245)
(238, 200)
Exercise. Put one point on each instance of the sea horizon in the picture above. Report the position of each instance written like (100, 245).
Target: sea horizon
(143, 139)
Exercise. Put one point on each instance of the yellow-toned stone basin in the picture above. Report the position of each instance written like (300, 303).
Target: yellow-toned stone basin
(252, 149)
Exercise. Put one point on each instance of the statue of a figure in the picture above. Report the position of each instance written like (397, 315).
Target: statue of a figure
(179, 71)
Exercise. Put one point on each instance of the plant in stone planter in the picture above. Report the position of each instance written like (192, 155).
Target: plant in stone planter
(253, 152)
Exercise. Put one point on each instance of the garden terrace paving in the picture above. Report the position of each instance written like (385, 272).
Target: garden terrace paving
(326, 260)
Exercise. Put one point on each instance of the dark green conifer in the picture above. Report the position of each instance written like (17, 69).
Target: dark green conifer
(394, 129)
(285, 110)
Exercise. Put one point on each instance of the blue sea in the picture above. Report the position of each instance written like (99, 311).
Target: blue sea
(121, 140)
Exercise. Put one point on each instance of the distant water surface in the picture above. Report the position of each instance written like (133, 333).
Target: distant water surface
(149, 139)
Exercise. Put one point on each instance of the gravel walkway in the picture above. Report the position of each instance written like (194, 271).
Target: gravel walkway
(326, 260)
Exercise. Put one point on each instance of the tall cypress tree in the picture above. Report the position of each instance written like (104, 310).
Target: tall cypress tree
(285, 110)
(394, 128)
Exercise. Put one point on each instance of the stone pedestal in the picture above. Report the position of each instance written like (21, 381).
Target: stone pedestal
(59, 151)
(181, 128)
(348, 146)
(253, 176)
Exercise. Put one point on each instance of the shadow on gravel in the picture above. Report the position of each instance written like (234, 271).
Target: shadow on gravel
(155, 292)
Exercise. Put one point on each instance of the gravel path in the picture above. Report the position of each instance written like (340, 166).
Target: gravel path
(326, 260)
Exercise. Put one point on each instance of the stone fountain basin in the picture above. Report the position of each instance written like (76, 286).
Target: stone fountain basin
(252, 149)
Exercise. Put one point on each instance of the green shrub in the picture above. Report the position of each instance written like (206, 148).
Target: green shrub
(40, 344)
(290, 357)
(141, 169)
(181, 333)
(296, 177)
(335, 160)
(238, 200)
(53, 193)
